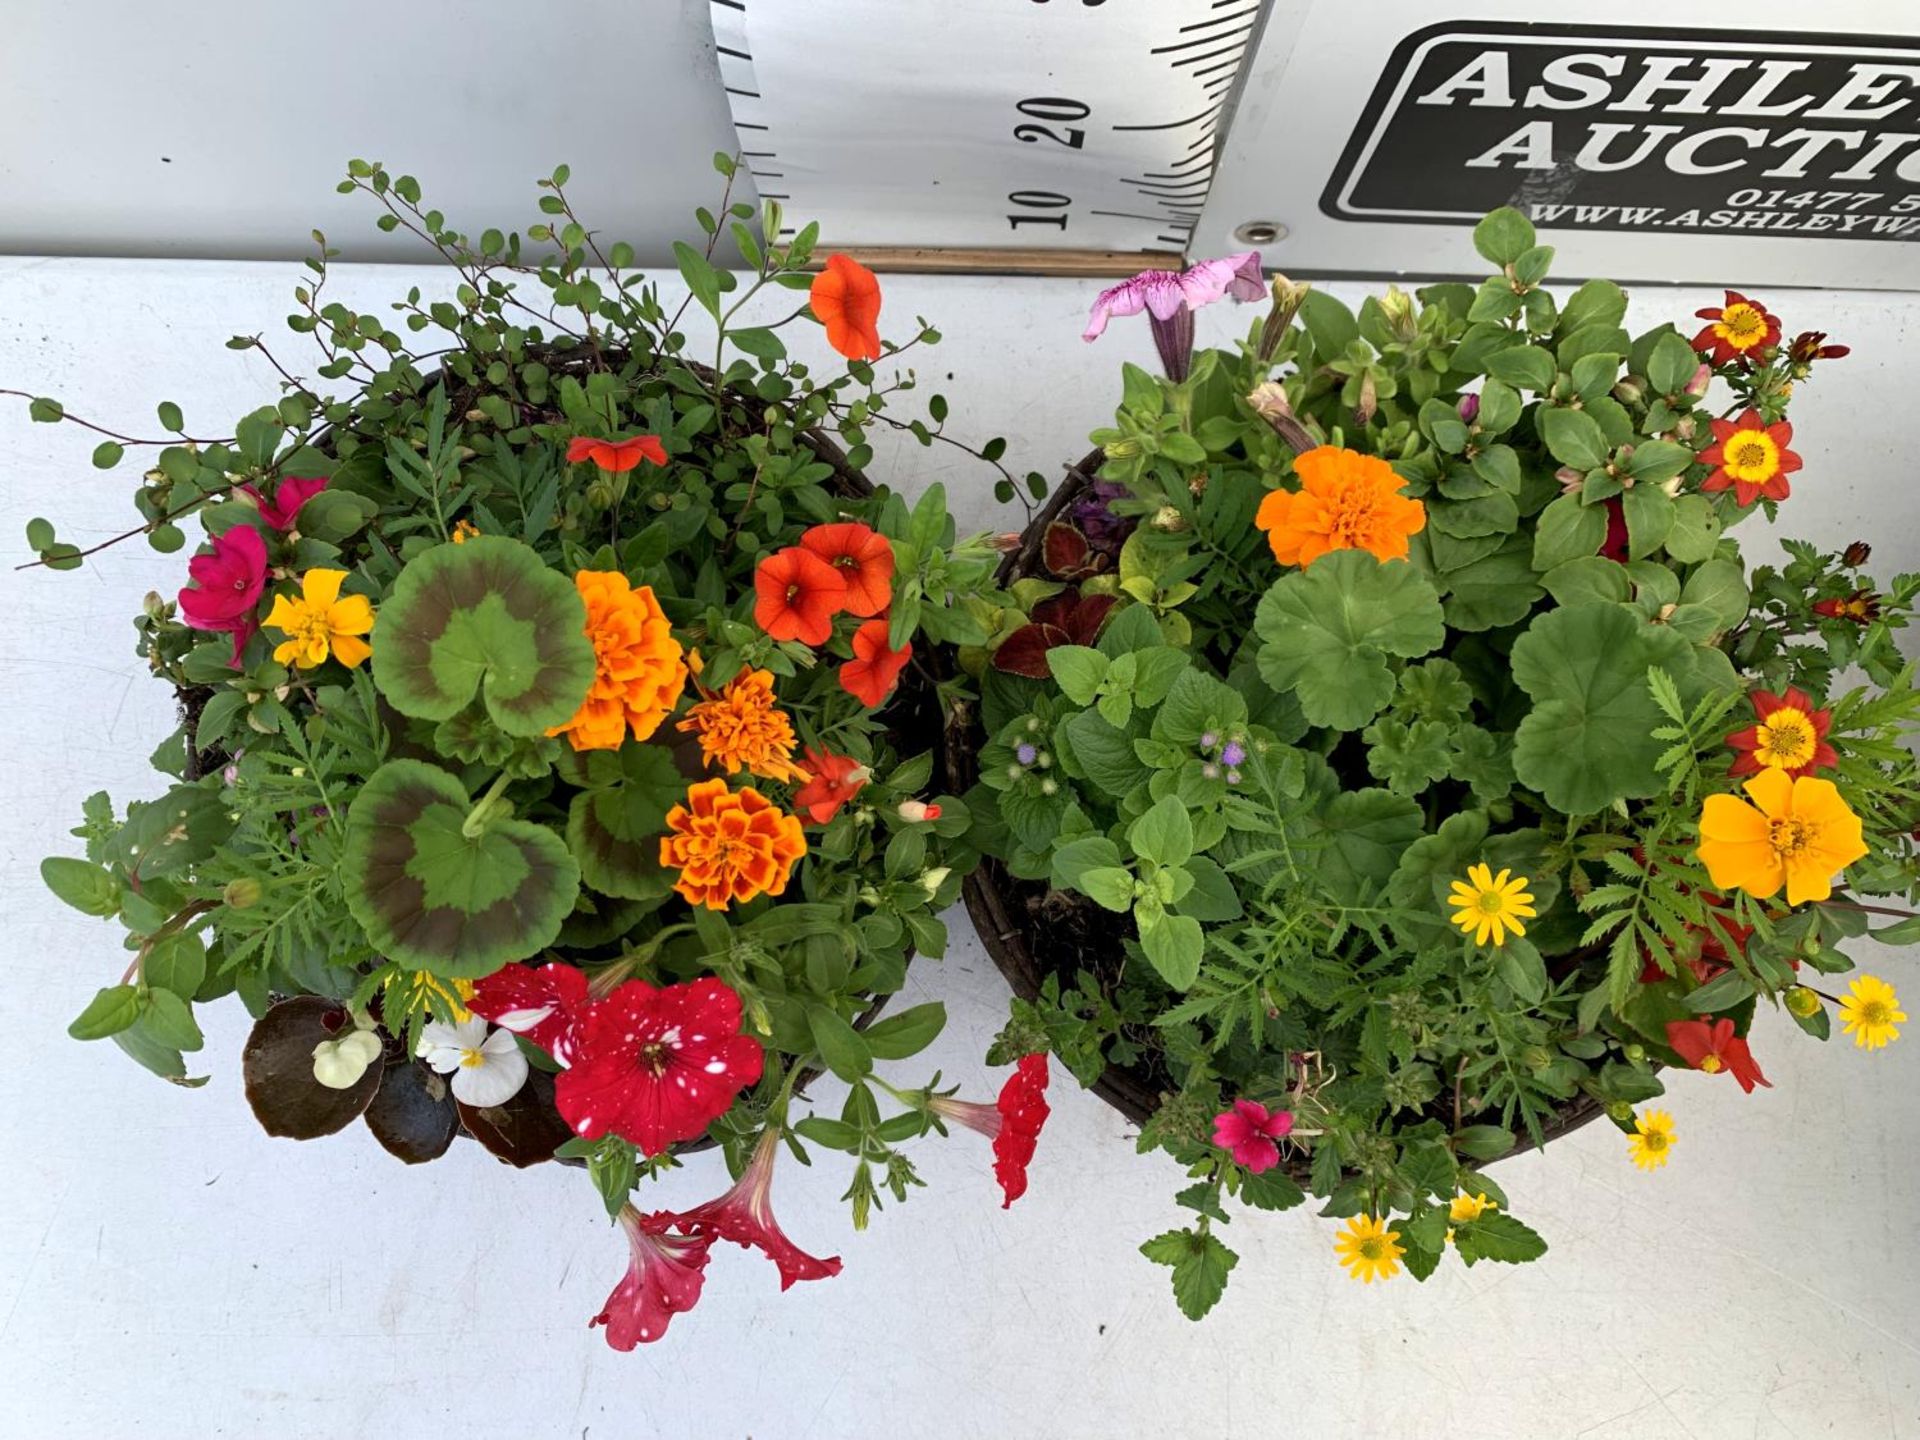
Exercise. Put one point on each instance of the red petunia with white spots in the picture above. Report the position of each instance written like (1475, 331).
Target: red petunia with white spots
(547, 1005)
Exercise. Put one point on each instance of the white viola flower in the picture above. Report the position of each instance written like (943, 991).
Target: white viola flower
(486, 1069)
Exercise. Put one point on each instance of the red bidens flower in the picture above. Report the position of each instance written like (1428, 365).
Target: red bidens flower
(1750, 458)
(744, 1215)
(1862, 607)
(1790, 735)
(617, 457)
(1811, 345)
(1740, 329)
(1713, 1047)
(1013, 1122)
(654, 1066)
(1251, 1131)
(664, 1278)
(832, 780)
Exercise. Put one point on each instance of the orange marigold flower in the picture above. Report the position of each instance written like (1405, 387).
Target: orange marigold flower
(742, 728)
(797, 595)
(617, 456)
(832, 780)
(730, 845)
(1346, 501)
(864, 559)
(1750, 458)
(874, 669)
(846, 299)
(639, 669)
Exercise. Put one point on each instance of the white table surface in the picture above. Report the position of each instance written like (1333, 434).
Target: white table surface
(166, 1270)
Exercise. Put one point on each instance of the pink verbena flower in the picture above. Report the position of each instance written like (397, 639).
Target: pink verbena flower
(288, 496)
(1171, 296)
(744, 1215)
(1249, 1130)
(664, 1278)
(226, 588)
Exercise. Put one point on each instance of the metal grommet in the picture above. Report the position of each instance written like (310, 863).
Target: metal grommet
(1260, 232)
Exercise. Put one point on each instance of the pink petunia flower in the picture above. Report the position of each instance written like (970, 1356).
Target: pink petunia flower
(744, 1215)
(1249, 1130)
(227, 583)
(288, 496)
(664, 1278)
(1171, 296)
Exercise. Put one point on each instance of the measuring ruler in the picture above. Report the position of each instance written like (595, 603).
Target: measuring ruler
(1071, 135)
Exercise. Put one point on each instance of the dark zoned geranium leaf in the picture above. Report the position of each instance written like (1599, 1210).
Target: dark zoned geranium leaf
(277, 1066)
(487, 618)
(524, 1131)
(614, 824)
(413, 1115)
(434, 898)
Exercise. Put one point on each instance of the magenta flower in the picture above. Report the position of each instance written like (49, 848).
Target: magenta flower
(744, 1215)
(226, 586)
(1249, 1130)
(288, 496)
(664, 1278)
(1171, 296)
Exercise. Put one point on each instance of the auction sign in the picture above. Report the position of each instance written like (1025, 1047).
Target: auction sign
(1735, 153)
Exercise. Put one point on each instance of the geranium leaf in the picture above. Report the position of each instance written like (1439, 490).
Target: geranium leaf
(437, 899)
(614, 824)
(277, 1065)
(487, 618)
(1495, 590)
(1362, 834)
(1327, 631)
(1588, 740)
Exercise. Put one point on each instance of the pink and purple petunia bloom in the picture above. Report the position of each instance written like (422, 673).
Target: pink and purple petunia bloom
(1171, 296)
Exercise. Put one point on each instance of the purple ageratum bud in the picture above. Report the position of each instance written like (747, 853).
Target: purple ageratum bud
(1210, 771)
(1233, 777)
(1469, 408)
(1026, 754)
(1208, 740)
(1235, 753)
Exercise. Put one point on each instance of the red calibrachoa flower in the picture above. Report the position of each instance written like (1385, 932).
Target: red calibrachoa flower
(1790, 735)
(797, 595)
(288, 496)
(1013, 1122)
(872, 673)
(655, 1066)
(1862, 607)
(864, 558)
(1613, 545)
(1750, 458)
(226, 586)
(1740, 329)
(832, 780)
(845, 297)
(548, 1005)
(1251, 1131)
(1720, 938)
(664, 1278)
(744, 1215)
(1713, 1047)
(617, 457)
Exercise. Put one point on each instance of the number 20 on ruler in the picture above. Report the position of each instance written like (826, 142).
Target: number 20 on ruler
(1054, 111)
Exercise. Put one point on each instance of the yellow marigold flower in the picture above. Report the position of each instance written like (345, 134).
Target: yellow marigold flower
(1797, 833)
(1368, 1249)
(1489, 905)
(1871, 1013)
(742, 728)
(1651, 1144)
(639, 669)
(321, 622)
(463, 531)
(730, 846)
(1346, 501)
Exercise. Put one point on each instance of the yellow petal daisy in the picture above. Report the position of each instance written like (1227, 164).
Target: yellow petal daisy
(1368, 1249)
(1651, 1144)
(1488, 905)
(1871, 1013)
(321, 622)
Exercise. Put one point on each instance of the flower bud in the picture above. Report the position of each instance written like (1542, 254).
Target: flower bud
(1702, 378)
(1636, 1052)
(1628, 391)
(1169, 520)
(1469, 408)
(1620, 1112)
(1803, 1002)
(1287, 299)
(916, 812)
(1005, 543)
(1396, 308)
(1856, 554)
(1570, 479)
(242, 894)
(1269, 401)
(154, 606)
(933, 879)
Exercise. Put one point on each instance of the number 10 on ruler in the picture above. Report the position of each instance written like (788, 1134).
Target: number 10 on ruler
(1047, 123)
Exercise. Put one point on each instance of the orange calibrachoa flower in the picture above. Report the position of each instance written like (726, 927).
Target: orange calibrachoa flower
(1750, 458)
(832, 780)
(1790, 735)
(874, 669)
(743, 728)
(639, 668)
(1797, 833)
(321, 623)
(846, 299)
(864, 559)
(1346, 501)
(797, 594)
(1740, 328)
(617, 456)
(730, 845)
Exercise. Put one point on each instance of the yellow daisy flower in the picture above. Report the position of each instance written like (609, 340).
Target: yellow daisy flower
(1368, 1249)
(1651, 1144)
(1871, 1013)
(1488, 905)
(321, 622)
